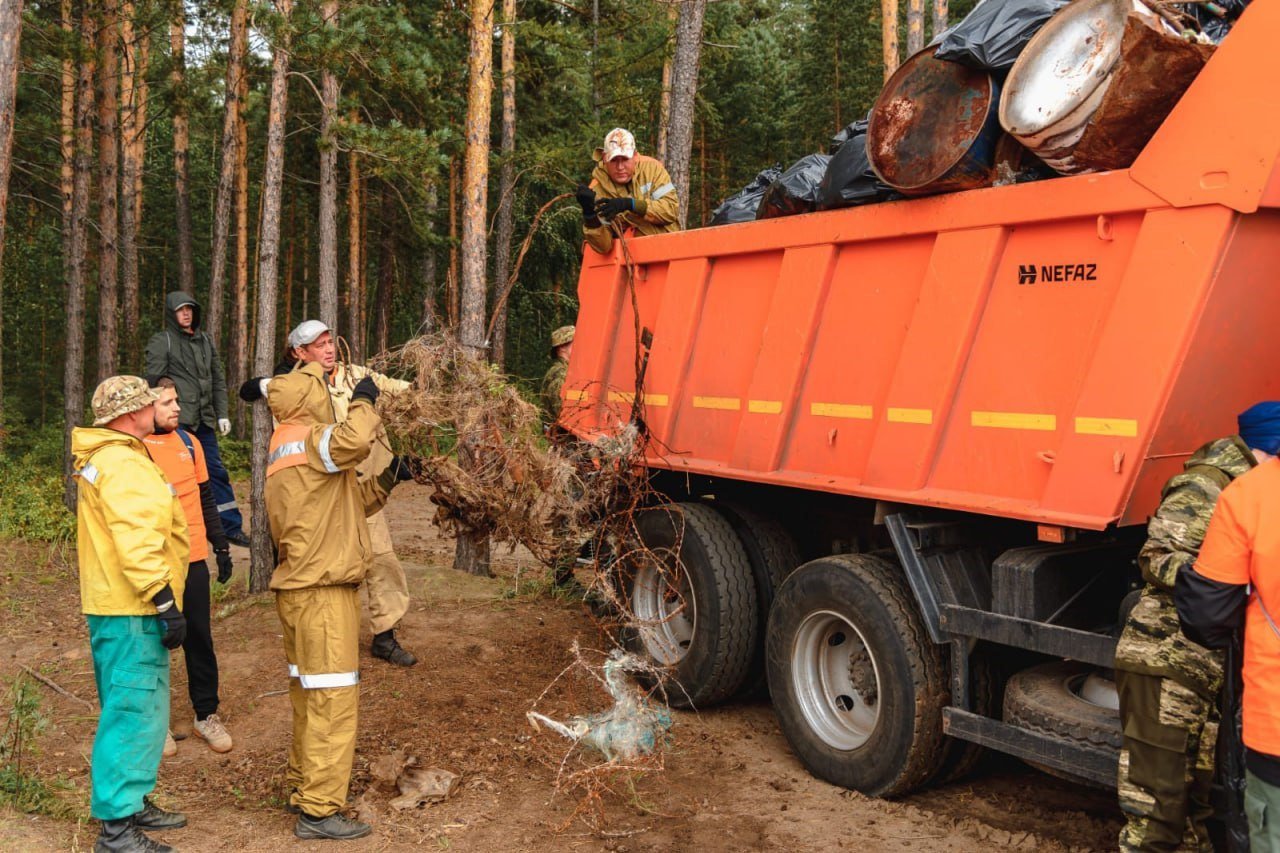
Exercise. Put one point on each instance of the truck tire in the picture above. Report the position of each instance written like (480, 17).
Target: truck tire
(962, 757)
(1046, 699)
(773, 555)
(857, 685)
(692, 602)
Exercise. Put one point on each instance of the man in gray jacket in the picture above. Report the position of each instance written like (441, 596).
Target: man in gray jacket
(186, 354)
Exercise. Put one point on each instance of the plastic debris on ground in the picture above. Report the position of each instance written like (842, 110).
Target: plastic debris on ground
(849, 179)
(993, 35)
(633, 727)
(796, 189)
(742, 205)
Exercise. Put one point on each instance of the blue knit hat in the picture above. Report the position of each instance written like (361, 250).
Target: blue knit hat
(1260, 426)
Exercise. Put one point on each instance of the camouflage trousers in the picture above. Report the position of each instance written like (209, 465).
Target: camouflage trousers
(1166, 764)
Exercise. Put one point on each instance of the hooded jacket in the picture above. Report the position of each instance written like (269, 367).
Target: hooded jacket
(131, 531)
(317, 509)
(657, 202)
(192, 362)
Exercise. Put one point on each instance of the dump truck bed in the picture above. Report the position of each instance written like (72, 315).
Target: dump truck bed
(1049, 351)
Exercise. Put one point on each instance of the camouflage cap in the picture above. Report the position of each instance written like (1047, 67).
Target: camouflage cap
(121, 395)
(562, 336)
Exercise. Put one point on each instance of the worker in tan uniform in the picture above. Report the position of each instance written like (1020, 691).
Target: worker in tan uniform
(316, 507)
(386, 587)
(628, 192)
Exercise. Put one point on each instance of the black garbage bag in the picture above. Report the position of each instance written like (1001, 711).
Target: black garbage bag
(849, 179)
(796, 189)
(742, 205)
(1228, 789)
(1214, 27)
(995, 32)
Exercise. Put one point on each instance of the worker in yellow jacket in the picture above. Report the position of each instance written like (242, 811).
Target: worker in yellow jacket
(131, 543)
(386, 587)
(628, 191)
(316, 507)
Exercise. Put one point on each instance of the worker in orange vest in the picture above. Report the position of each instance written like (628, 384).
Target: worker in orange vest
(1235, 583)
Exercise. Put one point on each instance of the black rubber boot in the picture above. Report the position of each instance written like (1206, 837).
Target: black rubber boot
(121, 836)
(386, 647)
(154, 817)
(334, 827)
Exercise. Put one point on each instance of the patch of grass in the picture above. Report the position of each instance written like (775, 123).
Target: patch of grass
(20, 787)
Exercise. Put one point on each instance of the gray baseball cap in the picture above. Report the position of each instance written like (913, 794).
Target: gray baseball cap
(306, 332)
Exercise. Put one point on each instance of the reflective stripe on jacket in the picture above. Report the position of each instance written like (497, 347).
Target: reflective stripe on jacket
(131, 530)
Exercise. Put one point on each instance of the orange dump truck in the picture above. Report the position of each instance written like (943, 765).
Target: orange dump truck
(916, 443)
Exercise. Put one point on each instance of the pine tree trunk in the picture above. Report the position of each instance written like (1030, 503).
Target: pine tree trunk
(67, 133)
(10, 58)
(430, 318)
(231, 119)
(269, 256)
(108, 188)
(664, 106)
(77, 237)
(506, 185)
(385, 293)
(355, 291)
(131, 130)
(939, 17)
(684, 88)
(328, 182)
(915, 26)
(181, 145)
(451, 277)
(239, 333)
(889, 35)
(472, 553)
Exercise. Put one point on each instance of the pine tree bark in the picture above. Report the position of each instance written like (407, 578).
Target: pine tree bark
(10, 58)
(77, 248)
(427, 268)
(684, 89)
(506, 184)
(108, 188)
(181, 145)
(328, 181)
(131, 130)
(915, 26)
(268, 265)
(355, 263)
(472, 553)
(451, 276)
(385, 292)
(232, 116)
(239, 342)
(664, 105)
(67, 133)
(889, 35)
(939, 17)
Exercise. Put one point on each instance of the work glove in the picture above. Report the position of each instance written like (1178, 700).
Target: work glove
(587, 198)
(400, 470)
(610, 208)
(366, 389)
(175, 624)
(254, 389)
(225, 565)
(224, 425)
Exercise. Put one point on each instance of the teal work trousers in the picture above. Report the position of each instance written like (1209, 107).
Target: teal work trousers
(131, 668)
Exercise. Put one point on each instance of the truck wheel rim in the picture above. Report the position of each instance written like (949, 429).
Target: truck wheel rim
(664, 609)
(836, 680)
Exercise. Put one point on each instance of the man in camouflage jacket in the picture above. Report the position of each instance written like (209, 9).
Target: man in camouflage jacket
(1168, 685)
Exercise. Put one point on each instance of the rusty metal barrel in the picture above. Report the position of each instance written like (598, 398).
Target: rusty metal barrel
(934, 127)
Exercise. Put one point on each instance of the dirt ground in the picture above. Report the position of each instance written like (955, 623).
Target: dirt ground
(488, 650)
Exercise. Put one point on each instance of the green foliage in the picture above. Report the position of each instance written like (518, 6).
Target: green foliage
(31, 487)
(20, 787)
(235, 453)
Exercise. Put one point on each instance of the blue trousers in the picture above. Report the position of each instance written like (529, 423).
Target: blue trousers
(228, 509)
(131, 668)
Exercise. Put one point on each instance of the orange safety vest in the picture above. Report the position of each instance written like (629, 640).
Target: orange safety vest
(288, 447)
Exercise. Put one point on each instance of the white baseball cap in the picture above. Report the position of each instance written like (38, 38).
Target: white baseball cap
(618, 143)
(306, 332)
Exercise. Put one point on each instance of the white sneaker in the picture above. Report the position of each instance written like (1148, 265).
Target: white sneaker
(170, 746)
(214, 733)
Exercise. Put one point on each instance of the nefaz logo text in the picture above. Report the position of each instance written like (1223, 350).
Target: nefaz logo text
(1057, 273)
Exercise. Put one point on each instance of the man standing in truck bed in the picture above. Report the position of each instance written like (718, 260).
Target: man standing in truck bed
(627, 191)
(1169, 685)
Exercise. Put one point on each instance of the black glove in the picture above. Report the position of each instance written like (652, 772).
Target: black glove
(251, 390)
(401, 469)
(225, 565)
(611, 207)
(285, 365)
(587, 198)
(366, 389)
(175, 624)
